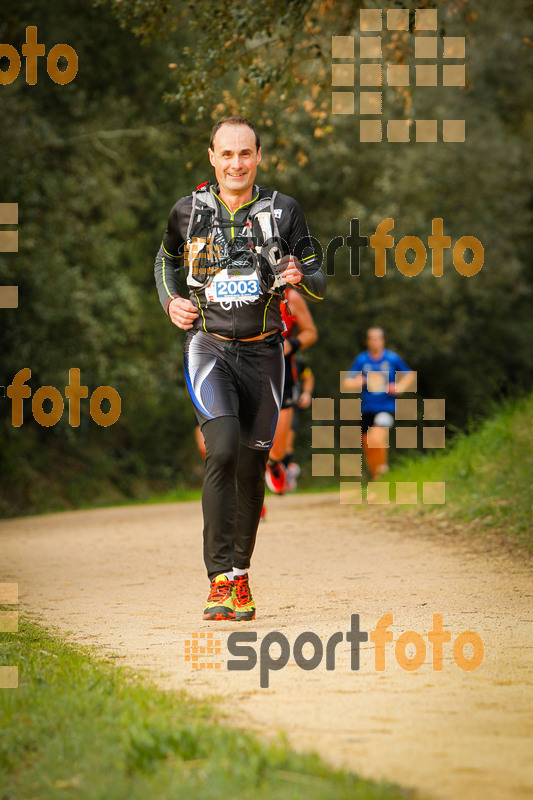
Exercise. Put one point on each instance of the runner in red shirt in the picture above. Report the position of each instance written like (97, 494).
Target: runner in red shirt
(295, 313)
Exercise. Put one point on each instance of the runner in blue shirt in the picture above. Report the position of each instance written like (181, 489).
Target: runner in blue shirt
(378, 386)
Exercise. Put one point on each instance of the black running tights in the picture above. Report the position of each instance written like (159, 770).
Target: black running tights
(232, 496)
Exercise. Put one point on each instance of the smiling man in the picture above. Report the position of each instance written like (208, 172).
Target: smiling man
(239, 246)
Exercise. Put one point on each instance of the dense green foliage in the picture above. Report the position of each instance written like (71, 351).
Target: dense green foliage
(95, 166)
(77, 725)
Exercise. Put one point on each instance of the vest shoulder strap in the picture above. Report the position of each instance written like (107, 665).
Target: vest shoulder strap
(203, 198)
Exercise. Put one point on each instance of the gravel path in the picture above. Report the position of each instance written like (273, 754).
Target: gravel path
(131, 580)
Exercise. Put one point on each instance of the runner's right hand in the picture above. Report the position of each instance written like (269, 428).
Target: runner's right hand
(182, 313)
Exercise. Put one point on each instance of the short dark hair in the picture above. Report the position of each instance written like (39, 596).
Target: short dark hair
(235, 120)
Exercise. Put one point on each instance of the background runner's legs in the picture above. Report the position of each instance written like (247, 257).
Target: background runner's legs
(281, 439)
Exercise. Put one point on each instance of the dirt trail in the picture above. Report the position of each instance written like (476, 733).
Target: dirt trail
(131, 580)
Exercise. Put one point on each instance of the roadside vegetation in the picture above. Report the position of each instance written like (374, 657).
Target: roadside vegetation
(79, 726)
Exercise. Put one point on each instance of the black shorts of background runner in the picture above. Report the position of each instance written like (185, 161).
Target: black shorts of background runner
(367, 419)
(295, 417)
(236, 390)
(290, 390)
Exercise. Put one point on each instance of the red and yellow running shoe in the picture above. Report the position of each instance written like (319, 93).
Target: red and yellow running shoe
(244, 602)
(220, 601)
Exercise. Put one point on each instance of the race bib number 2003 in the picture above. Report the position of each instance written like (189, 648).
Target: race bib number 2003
(233, 288)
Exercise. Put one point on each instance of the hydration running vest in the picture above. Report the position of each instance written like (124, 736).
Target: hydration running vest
(238, 271)
(234, 281)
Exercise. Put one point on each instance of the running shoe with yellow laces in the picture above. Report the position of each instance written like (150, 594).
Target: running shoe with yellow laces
(243, 602)
(220, 601)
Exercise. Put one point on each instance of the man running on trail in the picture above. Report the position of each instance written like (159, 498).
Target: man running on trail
(239, 245)
(377, 367)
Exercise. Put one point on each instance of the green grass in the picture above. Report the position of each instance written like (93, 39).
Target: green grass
(178, 495)
(80, 727)
(488, 473)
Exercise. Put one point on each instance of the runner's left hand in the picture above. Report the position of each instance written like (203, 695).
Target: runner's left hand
(305, 400)
(292, 269)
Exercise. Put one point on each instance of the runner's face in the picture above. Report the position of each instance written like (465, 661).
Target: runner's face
(235, 158)
(375, 341)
